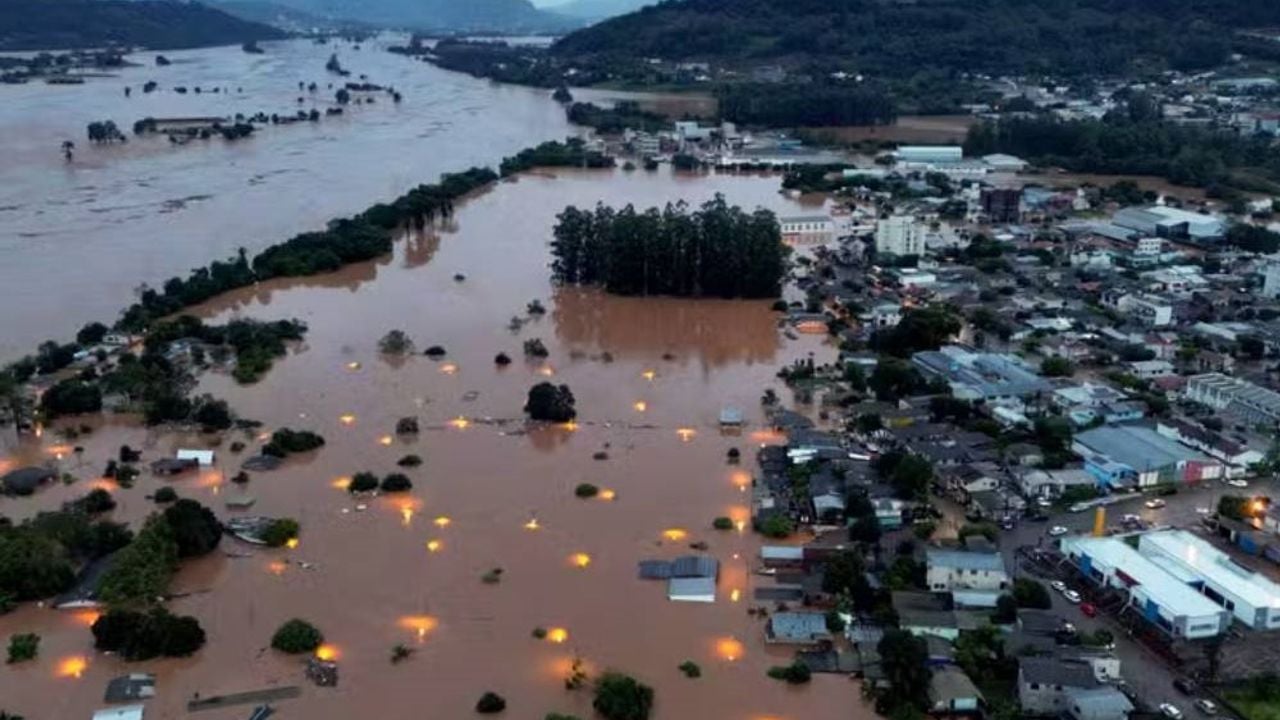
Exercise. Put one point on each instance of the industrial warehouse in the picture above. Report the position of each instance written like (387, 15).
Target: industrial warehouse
(1178, 582)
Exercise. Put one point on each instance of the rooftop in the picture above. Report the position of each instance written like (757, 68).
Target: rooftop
(962, 560)
(989, 374)
(1052, 671)
(1183, 548)
(1138, 447)
(1160, 584)
(798, 627)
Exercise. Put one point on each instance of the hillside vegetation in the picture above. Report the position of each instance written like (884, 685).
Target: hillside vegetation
(899, 39)
(157, 24)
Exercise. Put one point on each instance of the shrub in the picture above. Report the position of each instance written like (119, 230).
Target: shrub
(96, 501)
(195, 528)
(552, 403)
(502, 359)
(297, 636)
(776, 526)
(396, 482)
(407, 426)
(400, 653)
(586, 490)
(435, 352)
(363, 482)
(396, 342)
(733, 455)
(540, 633)
(166, 495)
(280, 532)
(23, 647)
(534, 348)
(690, 669)
(722, 523)
(144, 635)
(548, 716)
(285, 442)
(490, 703)
(621, 697)
(797, 673)
(409, 461)
(493, 577)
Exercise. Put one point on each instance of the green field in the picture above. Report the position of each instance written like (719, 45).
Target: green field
(1252, 705)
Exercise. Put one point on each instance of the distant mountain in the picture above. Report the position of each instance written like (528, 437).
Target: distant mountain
(285, 18)
(598, 9)
(904, 38)
(156, 24)
(465, 15)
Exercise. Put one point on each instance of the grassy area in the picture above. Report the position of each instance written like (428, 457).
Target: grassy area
(1253, 705)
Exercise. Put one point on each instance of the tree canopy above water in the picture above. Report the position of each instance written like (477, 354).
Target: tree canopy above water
(717, 251)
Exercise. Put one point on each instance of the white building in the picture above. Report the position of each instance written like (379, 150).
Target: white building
(1154, 591)
(900, 235)
(1146, 309)
(1151, 369)
(807, 226)
(952, 570)
(1271, 280)
(1222, 392)
(1251, 597)
(929, 154)
(1167, 222)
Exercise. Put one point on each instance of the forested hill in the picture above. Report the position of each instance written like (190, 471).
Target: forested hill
(897, 38)
(157, 24)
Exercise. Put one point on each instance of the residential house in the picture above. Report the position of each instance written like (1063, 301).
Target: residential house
(1050, 484)
(1043, 684)
(1239, 458)
(951, 692)
(1242, 398)
(1099, 703)
(981, 376)
(1150, 369)
(797, 628)
(979, 576)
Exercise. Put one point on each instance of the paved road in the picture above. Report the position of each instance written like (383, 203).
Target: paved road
(1149, 674)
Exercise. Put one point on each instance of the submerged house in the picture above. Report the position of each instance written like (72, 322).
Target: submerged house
(25, 481)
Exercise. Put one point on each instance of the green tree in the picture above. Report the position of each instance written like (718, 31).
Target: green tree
(196, 530)
(297, 636)
(1028, 593)
(551, 403)
(23, 647)
(136, 635)
(621, 697)
(1057, 367)
(904, 660)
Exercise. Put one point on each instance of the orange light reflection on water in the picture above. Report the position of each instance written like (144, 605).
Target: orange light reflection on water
(72, 667)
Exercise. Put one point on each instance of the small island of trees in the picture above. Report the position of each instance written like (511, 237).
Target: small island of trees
(717, 251)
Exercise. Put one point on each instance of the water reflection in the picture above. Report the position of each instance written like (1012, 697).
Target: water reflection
(716, 332)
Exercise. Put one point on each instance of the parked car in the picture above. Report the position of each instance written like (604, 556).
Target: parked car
(1079, 507)
(1044, 502)
(1057, 530)
(1072, 597)
(1238, 483)
(1170, 711)
(1058, 585)
(1208, 707)
(1154, 504)
(1127, 690)
(1089, 609)
(1184, 686)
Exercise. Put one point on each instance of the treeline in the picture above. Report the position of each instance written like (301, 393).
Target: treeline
(156, 24)
(571, 153)
(345, 241)
(790, 105)
(717, 250)
(902, 40)
(1119, 144)
(626, 114)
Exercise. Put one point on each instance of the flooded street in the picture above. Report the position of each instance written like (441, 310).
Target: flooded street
(77, 238)
(650, 377)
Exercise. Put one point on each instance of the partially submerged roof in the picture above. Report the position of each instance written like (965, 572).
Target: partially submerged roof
(128, 712)
(134, 686)
(798, 627)
(25, 481)
(203, 457)
(962, 560)
(692, 589)
(1051, 671)
(951, 684)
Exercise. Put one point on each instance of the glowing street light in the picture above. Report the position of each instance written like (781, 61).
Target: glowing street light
(443, 521)
(532, 524)
(347, 419)
(641, 406)
(675, 534)
(460, 422)
(557, 635)
(649, 375)
(607, 494)
(580, 560)
(434, 546)
(686, 434)
(327, 652)
(72, 667)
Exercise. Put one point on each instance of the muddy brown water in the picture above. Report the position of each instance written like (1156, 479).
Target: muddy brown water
(77, 238)
(376, 582)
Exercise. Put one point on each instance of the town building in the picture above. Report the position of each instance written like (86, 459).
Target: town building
(1001, 205)
(1173, 223)
(951, 692)
(1125, 456)
(797, 628)
(1250, 402)
(1050, 484)
(971, 573)
(899, 235)
(1100, 703)
(981, 376)
(1163, 599)
(806, 227)
(1043, 683)
(1239, 458)
(929, 154)
(1251, 597)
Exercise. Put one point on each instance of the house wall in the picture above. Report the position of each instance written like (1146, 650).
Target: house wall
(947, 578)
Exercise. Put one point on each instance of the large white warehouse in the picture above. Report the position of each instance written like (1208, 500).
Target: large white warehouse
(1252, 598)
(1161, 595)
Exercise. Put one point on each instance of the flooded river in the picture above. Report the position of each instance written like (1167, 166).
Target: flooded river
(77, 238)
(650, 377)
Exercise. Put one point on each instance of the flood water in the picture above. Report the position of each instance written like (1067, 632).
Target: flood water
(408, 569)
(77, 238)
